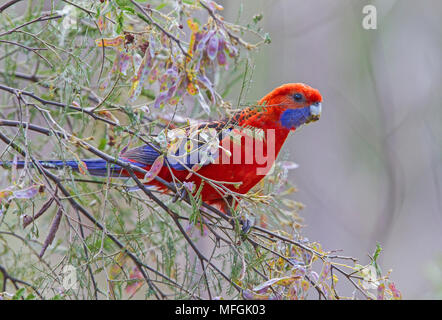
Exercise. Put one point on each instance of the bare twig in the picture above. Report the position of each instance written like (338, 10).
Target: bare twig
(15, 282)
(159, 27)
(8, 4)
(27, 220)
(34, 50)
(44, 17)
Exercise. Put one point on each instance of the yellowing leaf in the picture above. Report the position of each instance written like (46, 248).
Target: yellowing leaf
(191, 89)
(110, 42)
(116, 268)
(101, 23)
(216, 6)
(250, 295)
(195, 168)
(82, 168)
(154, 169)
(109, 115)
(305, 285)
(285, 281)
(136, 278)
(5, 194)
(290, 203)
(133, 87)
(193, 25)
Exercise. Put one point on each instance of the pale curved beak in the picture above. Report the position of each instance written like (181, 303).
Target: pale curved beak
(315, 111)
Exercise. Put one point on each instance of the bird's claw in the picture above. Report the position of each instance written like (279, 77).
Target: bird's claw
(247, 224)
(180, 194)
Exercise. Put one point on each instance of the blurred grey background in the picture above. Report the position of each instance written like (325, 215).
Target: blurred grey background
(370, 169)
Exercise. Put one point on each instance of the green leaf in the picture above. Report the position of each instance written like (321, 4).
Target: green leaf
(120, 21)
(123, 3)
(102, 145)
(128, 9)
(30, 297)
(160, 6)
(376, 254)
(148, 93)
(257, 18)
(267, 38)
(196, 201)
(142, 17)
(19, 294)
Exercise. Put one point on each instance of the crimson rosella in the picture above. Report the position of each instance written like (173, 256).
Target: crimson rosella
(230, 156)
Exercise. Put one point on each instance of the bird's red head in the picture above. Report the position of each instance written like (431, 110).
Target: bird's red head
(286, 107)
(293, 96)
(294, 104)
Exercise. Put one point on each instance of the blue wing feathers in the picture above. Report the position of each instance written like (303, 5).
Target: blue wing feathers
(144, 155)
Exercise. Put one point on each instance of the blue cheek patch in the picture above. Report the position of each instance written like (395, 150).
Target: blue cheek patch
(293, 118)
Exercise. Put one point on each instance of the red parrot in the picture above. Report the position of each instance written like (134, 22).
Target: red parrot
(229, 155)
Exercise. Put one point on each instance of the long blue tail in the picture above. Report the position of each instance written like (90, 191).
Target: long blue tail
(95, 167)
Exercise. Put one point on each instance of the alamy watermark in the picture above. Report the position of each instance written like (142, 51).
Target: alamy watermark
(69, 279)
(370, 20)
(243, 146)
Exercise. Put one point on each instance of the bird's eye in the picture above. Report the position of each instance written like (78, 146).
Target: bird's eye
(297, 97)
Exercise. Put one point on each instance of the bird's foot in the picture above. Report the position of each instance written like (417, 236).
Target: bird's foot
(180, 194)
(247, 224)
